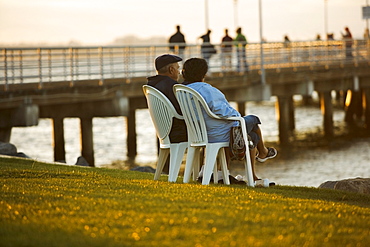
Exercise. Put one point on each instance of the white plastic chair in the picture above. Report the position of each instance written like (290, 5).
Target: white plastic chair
(191, 104)
(162, 113)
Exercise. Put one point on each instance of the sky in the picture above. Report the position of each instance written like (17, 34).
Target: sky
(100, 22)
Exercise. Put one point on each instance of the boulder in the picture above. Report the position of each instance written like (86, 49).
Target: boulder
(143, 169)
(22, 155)
(81, 161)
(358, 185)
(7, 148)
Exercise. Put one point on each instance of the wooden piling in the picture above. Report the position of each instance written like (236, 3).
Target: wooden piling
(327, 112)
(366, 94)
(87, 143)
(241, 108)
(284, 118)
(58, 135)
(131, 134)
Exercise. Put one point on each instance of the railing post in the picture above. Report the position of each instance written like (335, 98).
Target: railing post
(101, 66)
(12, 65)
(21, 65)
(76, 64)
(49, 64)
(71, 66)
(126, 62)
(65, 64)
(40, 66)
(111, 62)
(6, 87)
(88, 63)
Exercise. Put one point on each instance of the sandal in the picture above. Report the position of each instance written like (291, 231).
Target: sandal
(264, 183)
(270, 154)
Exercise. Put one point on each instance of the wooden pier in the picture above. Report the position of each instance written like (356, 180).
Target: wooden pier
(22, 104)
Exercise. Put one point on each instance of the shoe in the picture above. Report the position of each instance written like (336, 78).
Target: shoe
(264, 183)
(270, 154)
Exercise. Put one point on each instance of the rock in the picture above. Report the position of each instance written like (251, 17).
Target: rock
(7, 148)
(81, 161)
(328, 185)
(22, 155)
(143, 169)
(358, 185)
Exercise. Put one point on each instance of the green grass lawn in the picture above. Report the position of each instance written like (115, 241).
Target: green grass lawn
(57, 205)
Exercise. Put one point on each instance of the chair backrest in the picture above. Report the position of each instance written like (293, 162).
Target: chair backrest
(162, 113)
(192, 105)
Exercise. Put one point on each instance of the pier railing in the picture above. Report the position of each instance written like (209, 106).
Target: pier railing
(51, 64)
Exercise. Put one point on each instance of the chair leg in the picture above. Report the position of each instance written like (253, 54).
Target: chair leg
(225, 171)
(162, 157)
(177, 151)
(248, 169)
(215, 173)
(211, 155)
(190, 159)
(196, 164)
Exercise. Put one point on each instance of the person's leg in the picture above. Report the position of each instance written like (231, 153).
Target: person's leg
(264, 153)
(262, 150)
(252, 154)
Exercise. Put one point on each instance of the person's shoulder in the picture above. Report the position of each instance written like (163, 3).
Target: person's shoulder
(202, 86)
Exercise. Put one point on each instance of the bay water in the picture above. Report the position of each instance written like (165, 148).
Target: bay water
(309, 161)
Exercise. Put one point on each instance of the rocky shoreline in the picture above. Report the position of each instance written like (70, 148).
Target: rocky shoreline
(357, 185)
(10, 149)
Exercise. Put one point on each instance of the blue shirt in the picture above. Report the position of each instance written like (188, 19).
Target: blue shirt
(218, 130)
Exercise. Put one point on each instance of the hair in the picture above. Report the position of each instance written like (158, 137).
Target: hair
(165, 69)
(194, 69)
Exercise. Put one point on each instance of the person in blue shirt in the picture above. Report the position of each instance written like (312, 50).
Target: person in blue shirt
(193, 72)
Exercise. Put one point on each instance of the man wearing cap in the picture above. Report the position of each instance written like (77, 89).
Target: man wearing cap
(167, 75)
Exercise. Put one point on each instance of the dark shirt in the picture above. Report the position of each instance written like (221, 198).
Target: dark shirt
(165, 85)
(205, 38)
(178, 37)
(226, 43)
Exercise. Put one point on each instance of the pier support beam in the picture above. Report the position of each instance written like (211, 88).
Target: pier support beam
(327, 112)
(241, 108)
(366, 93)
(284, 118)
(87, 143)
(354, 108)
(59, 143)
(131, 134)
(291, 114)
(5, 133)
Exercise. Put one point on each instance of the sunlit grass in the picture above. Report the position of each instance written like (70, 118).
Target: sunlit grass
(56, 205)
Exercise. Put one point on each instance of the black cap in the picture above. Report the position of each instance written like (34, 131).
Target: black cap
(166, 59)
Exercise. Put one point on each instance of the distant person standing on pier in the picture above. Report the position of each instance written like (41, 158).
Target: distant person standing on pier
(366, 34)
(347, 37)
(330, 36)
(226, 50)
(168, 73)
(241, 42)
(288, 54)
(367, 40)
(178, 41)
(207, 48)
